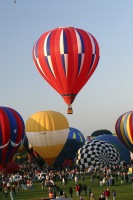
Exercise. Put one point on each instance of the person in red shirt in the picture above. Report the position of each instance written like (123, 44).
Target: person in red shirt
(107, 194)
(78, 190)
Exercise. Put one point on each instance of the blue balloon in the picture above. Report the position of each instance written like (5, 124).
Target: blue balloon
(74, 141)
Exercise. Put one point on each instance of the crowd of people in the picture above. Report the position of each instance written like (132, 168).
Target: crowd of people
(10, 184)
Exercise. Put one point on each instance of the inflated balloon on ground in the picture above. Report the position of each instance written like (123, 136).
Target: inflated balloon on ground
(124, 129)
(67, 155)
(121, 149)
(12, 130)
(100, 132)
(47, 132)
(96, 154)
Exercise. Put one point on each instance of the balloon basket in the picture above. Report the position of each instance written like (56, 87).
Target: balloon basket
(69, 111)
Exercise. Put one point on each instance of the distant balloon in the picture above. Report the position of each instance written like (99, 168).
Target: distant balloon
(47, 132)
(124, 129)
(67, 155)
(121, 149)
(12, 130)
(100, 132)
(96, 154)
(66, 58)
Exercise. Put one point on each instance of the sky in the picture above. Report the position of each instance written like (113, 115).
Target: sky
(107, 94)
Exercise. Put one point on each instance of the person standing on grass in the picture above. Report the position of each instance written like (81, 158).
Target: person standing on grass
(42, 184)
(107, 194)
(114, 194)
(78, 190)
(89, 191)
(85, 189)
(5, 191)
(14, 189)
(71, 191)
(76, 179)
(12, 195)
(60, 192)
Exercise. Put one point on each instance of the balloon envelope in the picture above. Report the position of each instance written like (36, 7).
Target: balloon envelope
(96, 154)
(33, 156)
(124, 129)
(100, 132)
(121, 149)
(47, 132)
(67, 155)
(12, 130)
(66, 58)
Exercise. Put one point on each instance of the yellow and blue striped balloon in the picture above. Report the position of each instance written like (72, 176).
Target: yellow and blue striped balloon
(67, 155)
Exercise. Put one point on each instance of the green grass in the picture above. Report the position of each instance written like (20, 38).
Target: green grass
(124, 191)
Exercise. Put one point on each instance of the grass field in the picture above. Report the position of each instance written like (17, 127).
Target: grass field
(124, 191)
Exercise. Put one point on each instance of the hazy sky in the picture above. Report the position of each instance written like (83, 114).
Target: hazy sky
(108, 93)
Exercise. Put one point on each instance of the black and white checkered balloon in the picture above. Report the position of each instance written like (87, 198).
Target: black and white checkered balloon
(96, 154)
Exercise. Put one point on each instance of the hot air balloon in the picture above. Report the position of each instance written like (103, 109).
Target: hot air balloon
(12, 130)
(100, 132)
(66, 58)
(121, 149)
(47, 132)
(124, 130)
(67, 155)
(96, 154)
